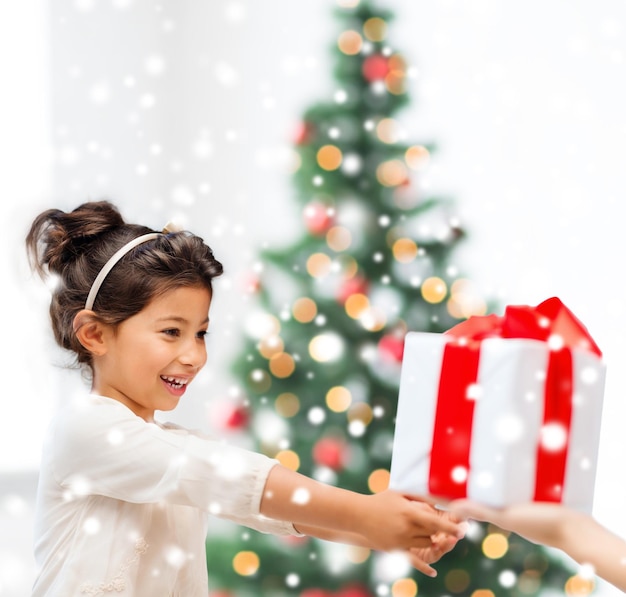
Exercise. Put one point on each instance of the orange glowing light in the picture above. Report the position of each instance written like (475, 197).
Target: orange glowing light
(287, 404)
(329, 157)
(579, 586)
(338, 399)
(304, 309)
(417, 157)
(388, 130)
(495, 545)
(282, 365)
(404, 250)
(289, 459)
(375, 29)
(318, 265)
(246, 563)
(350, 42)
(378, 480)
(391, 173)
(356, 304)
(404, 587)
(434, 290)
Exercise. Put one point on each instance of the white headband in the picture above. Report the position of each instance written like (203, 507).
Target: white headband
(108, 266)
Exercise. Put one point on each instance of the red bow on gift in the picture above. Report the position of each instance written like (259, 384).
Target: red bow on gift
(551, 322)
(550, 319)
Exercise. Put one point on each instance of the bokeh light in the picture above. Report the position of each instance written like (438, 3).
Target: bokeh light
(375, 29)
(270, 346)
(339, 238)
(395, 80)
(350, 42)
(338, 399)
(464, 300)
(259, 380)
(417, 157)
(457, 580)
(289, 459)
(326, 347)
(329, 157)
(373, 319)
(357, 555)
(404, 250)
(434, 290)
(378, 480)
(318, 265)
(495, 545)
(391, 173)
(404, 587)
(529, 582)
(356, 304)
(261, 325)
(282, 365)
(360, 411)
(246, 563)
(578, 585)
(304, 309)
(388, 130)
(287, 404)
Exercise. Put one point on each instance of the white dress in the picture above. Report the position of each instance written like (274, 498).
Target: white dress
(123, 505)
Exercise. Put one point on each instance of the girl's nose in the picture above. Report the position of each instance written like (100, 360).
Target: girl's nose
(193, 354)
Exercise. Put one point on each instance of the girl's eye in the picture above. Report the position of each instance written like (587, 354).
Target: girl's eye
(202, 334)
(172, 332)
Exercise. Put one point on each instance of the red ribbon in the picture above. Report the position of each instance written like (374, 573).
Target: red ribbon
(551, 322)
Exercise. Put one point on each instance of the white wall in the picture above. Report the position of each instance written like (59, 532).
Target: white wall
(187, 109)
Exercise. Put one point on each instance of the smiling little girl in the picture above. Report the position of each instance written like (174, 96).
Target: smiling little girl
(124, 501)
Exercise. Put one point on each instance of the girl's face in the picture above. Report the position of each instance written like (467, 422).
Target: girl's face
(152, 357)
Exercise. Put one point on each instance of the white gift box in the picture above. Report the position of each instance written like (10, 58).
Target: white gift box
(507, 424)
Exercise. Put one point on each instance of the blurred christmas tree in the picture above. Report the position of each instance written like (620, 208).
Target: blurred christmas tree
(321, 364)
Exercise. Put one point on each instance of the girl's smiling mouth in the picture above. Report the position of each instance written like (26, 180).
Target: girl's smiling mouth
(177, 384)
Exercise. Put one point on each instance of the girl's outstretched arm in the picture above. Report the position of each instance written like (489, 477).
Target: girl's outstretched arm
(577, 534)
(383, 521)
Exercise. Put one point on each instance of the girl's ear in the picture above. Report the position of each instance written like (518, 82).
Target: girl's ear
(90, 332)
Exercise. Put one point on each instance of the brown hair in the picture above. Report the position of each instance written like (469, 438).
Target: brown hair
(74, 246)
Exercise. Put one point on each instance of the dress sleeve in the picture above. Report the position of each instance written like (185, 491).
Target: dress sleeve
(102, 448)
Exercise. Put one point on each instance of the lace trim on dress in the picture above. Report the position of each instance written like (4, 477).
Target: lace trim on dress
(118, 582)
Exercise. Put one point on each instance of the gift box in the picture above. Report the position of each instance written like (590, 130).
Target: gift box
(501, 410)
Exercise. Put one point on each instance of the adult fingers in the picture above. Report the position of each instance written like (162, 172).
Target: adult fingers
(435, 521)
(470, 509)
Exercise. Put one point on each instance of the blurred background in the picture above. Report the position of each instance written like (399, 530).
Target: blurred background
(188, 110)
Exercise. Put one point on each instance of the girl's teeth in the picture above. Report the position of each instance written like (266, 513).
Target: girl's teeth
(174, 380)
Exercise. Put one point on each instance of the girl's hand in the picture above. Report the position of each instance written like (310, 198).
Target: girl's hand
(395, 521)
(422, 557)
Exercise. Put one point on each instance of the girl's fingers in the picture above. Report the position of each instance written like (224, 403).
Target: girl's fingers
(419, 564)
(420, 542)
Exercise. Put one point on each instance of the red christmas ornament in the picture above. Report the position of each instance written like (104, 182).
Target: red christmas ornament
(354, 590)
(330, 452)
(304, 133)
(355, 285)
(318, 218)
(237, 418)
(391, 347)
(251, 283)
(375, 68)
(315, 593)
